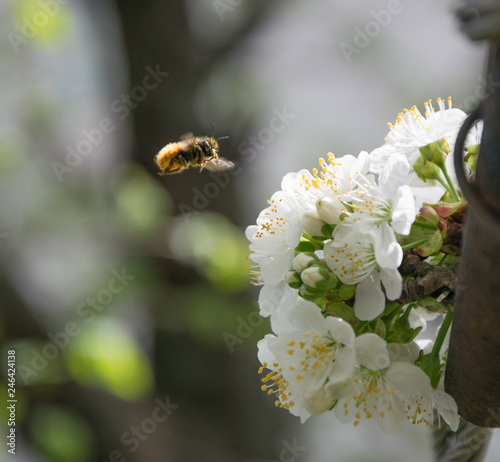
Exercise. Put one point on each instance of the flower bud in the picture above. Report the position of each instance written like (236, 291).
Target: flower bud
(426, 170)
(303, 260)
(446, 210)
(312, 223)
(319, 401)
(308, 293)
(329, 209)
(293, 279)
(440, 149)
(471, 157)
(429, 214)
(435, 152)
(311, 276)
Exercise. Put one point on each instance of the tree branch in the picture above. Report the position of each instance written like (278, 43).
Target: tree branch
(428, 278)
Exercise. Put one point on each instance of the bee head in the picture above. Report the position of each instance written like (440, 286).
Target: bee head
(210, 147)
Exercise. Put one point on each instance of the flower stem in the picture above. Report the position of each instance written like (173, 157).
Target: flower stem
(453, 192)
(442, 333)
(446, 185)
(413, 244)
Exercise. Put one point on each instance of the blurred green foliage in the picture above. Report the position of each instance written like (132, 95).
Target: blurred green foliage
(213, 245)
(106, 354)
(142, 203)
(50, 25)
(61, 434)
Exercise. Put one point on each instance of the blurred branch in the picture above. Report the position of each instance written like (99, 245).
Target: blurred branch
(468, 444)
(259, 12)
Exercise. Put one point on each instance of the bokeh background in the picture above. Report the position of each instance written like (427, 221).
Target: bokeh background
(124, 294)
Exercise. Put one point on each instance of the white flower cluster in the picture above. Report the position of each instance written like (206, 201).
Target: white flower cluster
(327, 252)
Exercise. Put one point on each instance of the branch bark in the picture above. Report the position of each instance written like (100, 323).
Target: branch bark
(429, 279)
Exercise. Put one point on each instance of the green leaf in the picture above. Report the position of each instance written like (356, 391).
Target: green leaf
(304, 246)
(431, 304)
(341, 310)
(61, 435)
(106, 354)
(429, 241)
(346, 291)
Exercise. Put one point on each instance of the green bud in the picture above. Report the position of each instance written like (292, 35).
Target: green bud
(471, 157)
(435, 152)
(440, 150)
(426, 170)
(292, 278)
(447, 209)
(303, 260)
(426, 153)
(429, 214)
(317, 277)
(312, 276)
(308, 293)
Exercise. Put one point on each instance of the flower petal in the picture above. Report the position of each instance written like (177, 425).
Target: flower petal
(371, 351)
(342, 331)
(392, 422)
(393, 282)
(370, 300)
(447, 408)
(409, 378)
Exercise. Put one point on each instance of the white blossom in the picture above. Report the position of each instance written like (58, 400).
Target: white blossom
(308, 354)
(367, 257)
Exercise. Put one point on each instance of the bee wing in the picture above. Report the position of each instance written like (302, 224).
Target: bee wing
(187, 136)
(219, 164)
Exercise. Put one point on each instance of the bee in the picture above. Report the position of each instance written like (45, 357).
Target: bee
(194, 151)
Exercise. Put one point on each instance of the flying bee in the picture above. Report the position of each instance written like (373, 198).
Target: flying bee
(194, 151)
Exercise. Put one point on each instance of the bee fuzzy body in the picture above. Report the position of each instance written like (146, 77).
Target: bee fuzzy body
(191, 151)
